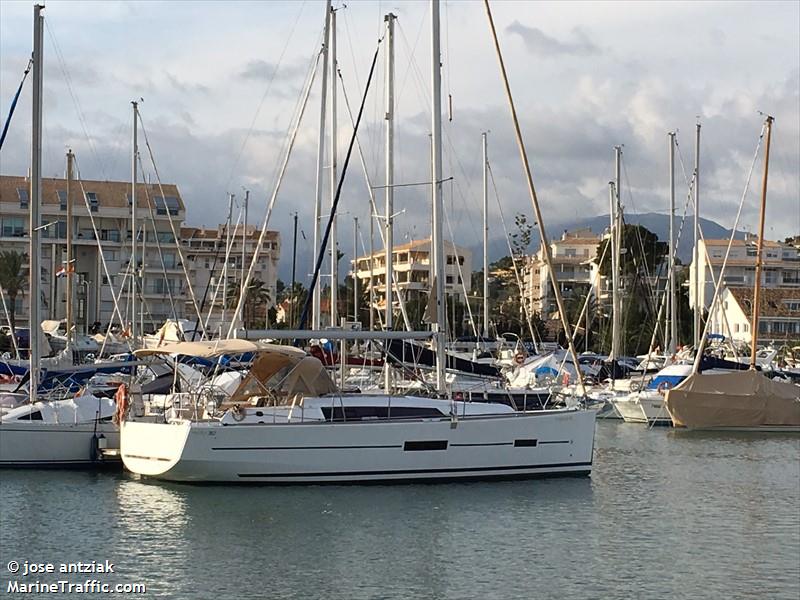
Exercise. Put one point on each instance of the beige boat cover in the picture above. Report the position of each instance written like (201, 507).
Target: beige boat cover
(744, 399)
(214, 348)
(284, 375)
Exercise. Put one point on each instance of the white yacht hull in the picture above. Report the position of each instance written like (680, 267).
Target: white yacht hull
(505, 446)
(38, 444)
(655, 409)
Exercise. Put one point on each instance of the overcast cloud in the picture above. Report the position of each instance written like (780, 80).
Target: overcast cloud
(220, 82)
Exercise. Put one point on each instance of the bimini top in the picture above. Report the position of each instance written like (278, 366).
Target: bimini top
(216, 348)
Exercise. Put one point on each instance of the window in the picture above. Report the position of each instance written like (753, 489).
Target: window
(13, 227)
(449, 279)
(166, 204)
(792, 304)
(109, 235)
(91, 198)
(165, 236)
(751, 251)
(23, 197)
(62, 199)
(450, 259)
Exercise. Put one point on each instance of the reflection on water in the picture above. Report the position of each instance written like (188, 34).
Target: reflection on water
(663, 515)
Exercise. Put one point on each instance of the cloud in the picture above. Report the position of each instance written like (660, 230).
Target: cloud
(263, 70)
(539, 43)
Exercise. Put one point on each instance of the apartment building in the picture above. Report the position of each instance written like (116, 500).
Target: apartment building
(780, 261)
(205, 250)
(573, 258)
(412, 264)
(101, 233)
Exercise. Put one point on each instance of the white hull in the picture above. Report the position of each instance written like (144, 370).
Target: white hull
(39, 444)
(655, 409)
(502, 446)
(629, 409)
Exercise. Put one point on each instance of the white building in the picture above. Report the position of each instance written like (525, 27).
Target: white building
(205, 249)
(412, 266)
(781, 267)
(574, 261)
(779, 314)
(107, 203)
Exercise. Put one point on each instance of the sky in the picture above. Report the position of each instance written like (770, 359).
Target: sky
(219, 84)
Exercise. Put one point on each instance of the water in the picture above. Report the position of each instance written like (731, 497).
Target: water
(665, 515)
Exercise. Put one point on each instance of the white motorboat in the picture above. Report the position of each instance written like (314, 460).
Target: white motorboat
(60, 433)
(647, 405)
(286, 423)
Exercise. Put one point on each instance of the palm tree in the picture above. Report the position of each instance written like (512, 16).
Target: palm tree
(12, 279)
(257, 295)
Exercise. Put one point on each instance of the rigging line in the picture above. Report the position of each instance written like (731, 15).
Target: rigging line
(114, 297)
(717, 287)
(460, 274)
(651, 292)
(223, 275)
(175, 233)
(264, 96)
(279, 180)
(158, 243)
(14, 105)
(68, 80)
(323, 246)
(531, 326)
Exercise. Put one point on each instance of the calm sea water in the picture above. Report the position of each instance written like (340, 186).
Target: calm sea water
(665, 515)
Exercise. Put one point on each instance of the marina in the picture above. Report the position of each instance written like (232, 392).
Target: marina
(712, 515)
(605, 409)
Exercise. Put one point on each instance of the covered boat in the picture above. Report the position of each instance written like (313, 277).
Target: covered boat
(745, 400)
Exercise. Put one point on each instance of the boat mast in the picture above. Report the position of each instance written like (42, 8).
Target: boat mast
(355, 269)
(535, 202)
(68, 267)
(616, 242)
(227, 259)
(134, 229)
(35, 202)
(334, 175)
(317, 297)
(244, 244)
(292, 298)
(437, 245)
(389, 189)
(673, 308)
(698, 306)
(759, 248)
(485, 238)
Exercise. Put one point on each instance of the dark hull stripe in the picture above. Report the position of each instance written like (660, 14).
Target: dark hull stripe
(487, 444)
(308, 447)
(557, 442)
(453, 471)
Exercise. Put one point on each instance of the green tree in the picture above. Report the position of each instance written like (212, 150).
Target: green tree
(13, 280)
(256, 299)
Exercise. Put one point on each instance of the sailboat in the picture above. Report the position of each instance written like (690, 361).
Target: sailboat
(67, 432)
(288, 423)
(746, 400)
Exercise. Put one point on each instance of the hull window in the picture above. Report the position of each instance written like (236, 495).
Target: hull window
(525, 443)
(425, 445)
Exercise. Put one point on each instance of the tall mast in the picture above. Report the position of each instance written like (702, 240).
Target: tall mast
(244, 241)
(68, 266)
(437, 243)
(35, 202)
(316, 300)
(227, 259)
(673, 309)
(355, 268)
(372, 216)
(535, 202)
(698, 305)
(759, 248)
(334, 181)
(134, 228)
(292, 298)
(616, 238)
(389, 189)
(485, 237)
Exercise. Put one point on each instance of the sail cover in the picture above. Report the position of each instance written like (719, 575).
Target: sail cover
(744, 399)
